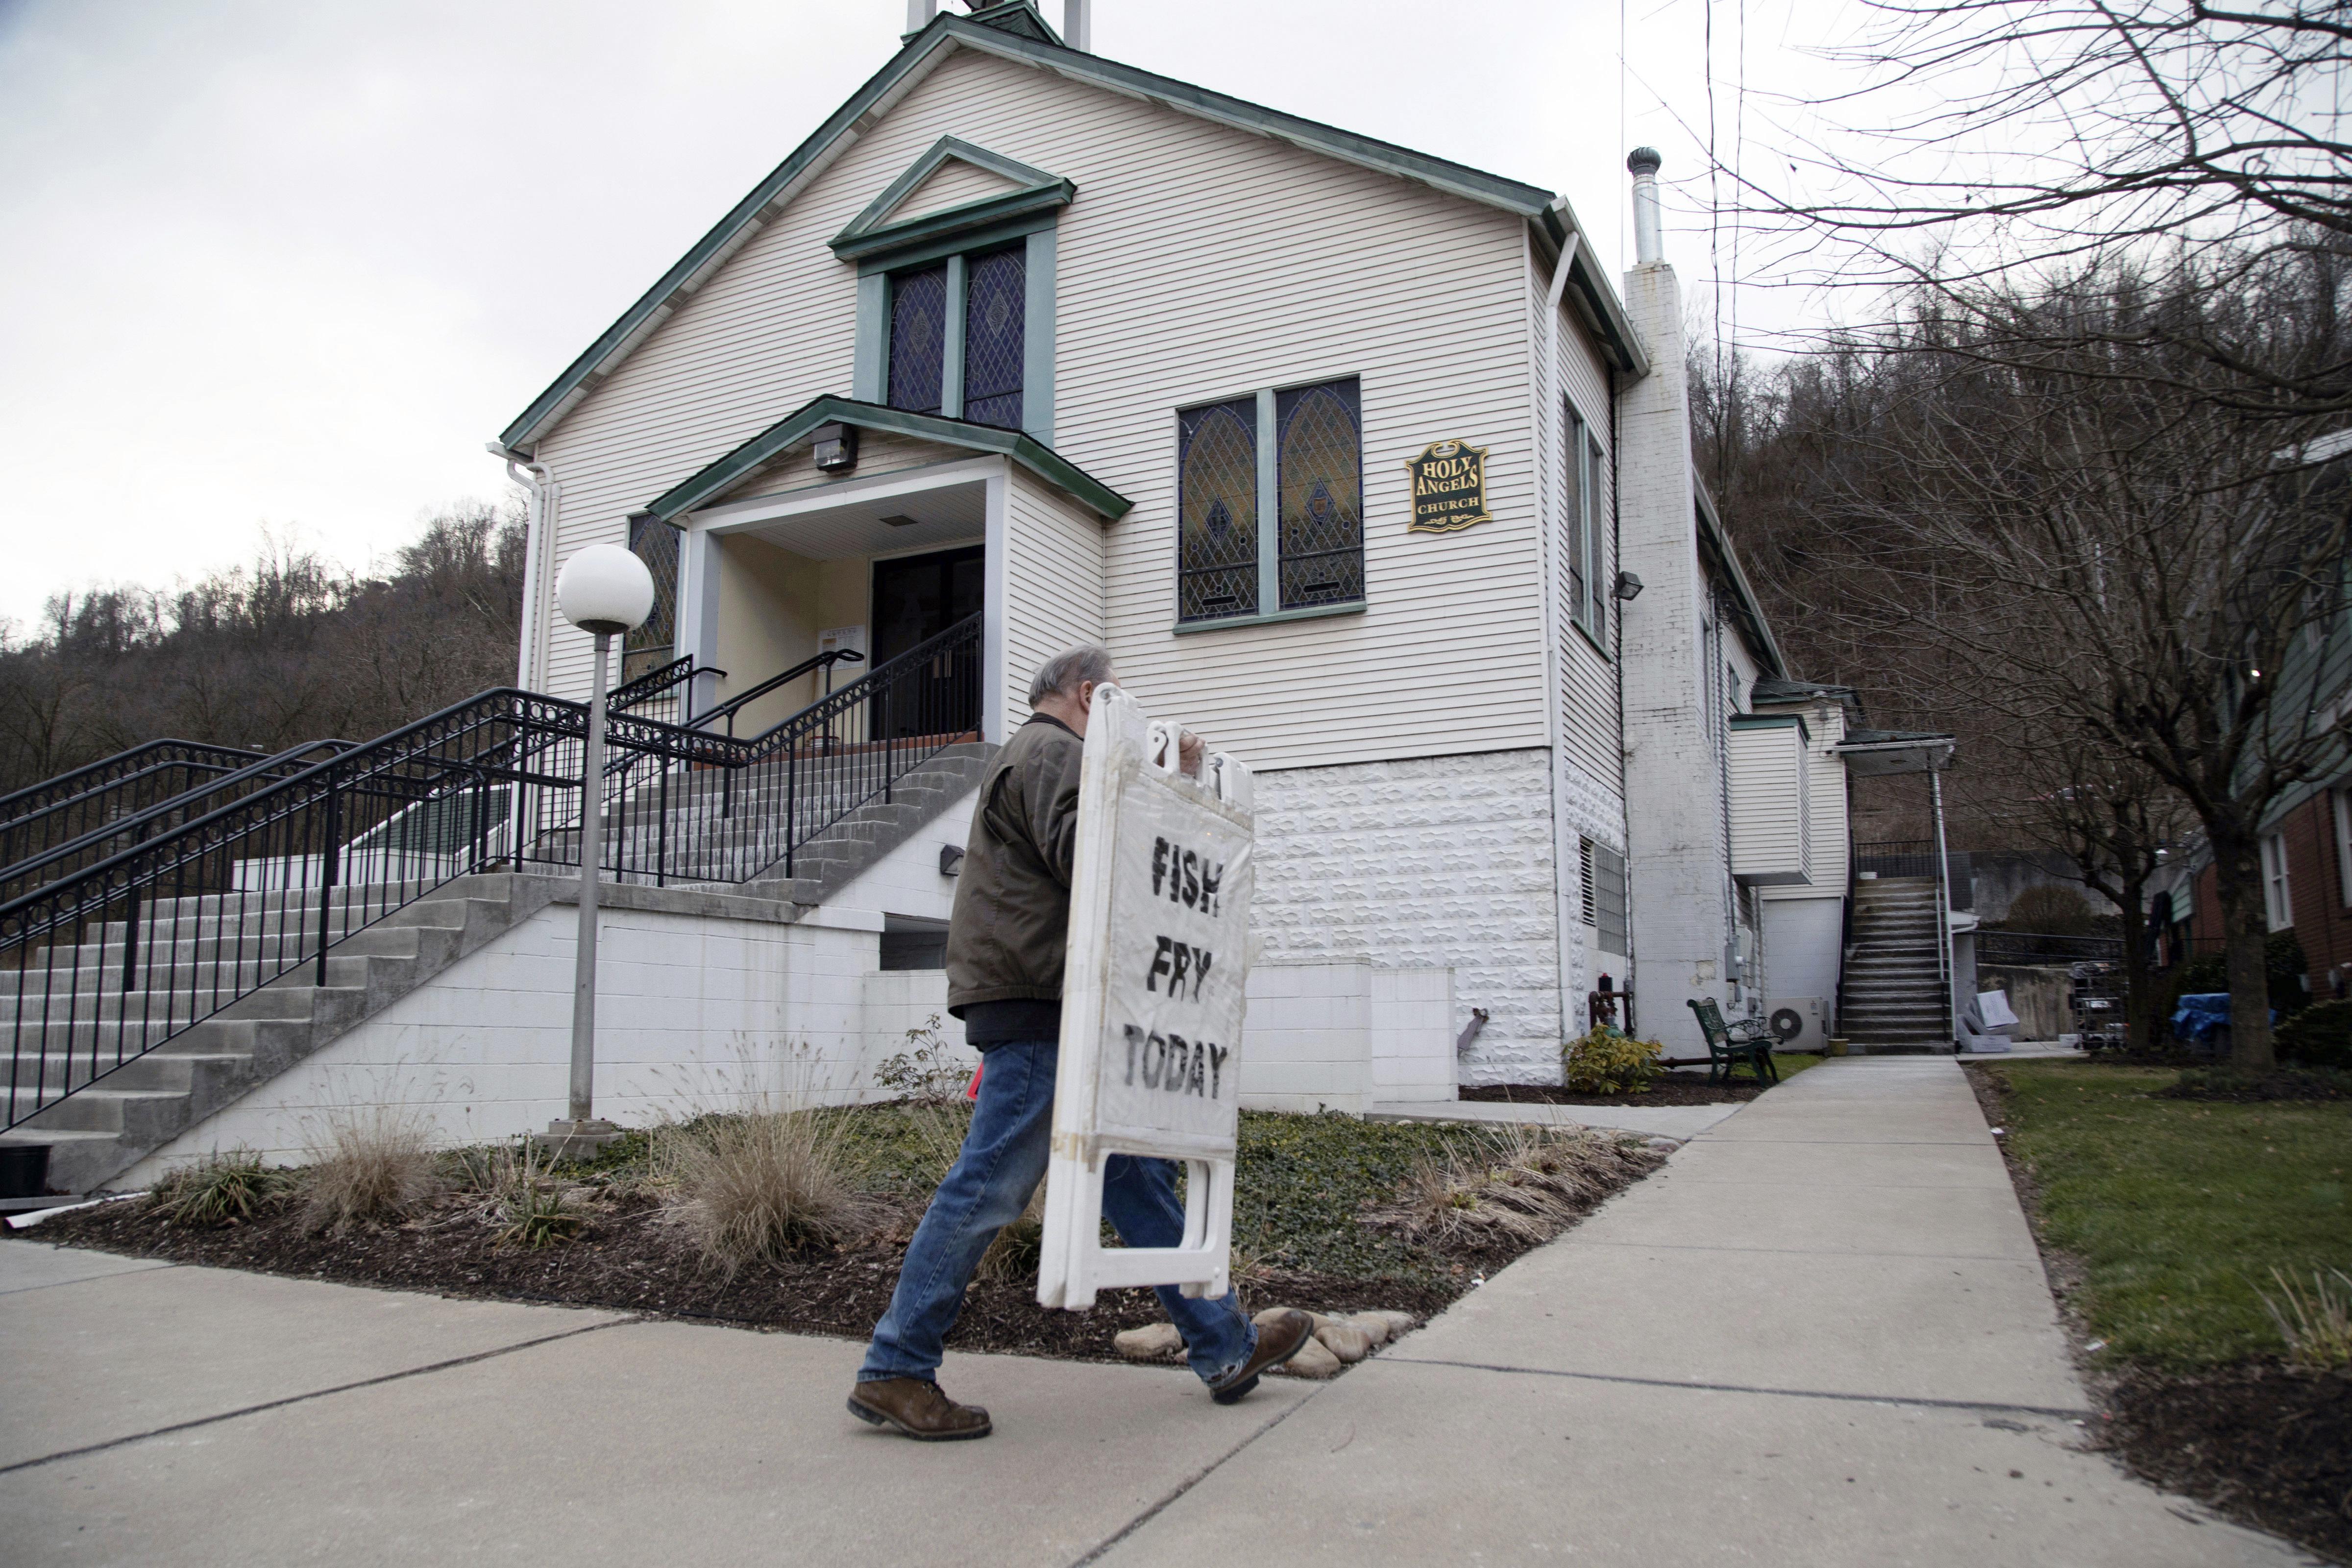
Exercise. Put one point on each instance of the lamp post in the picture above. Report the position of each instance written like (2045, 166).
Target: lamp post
(604, 591)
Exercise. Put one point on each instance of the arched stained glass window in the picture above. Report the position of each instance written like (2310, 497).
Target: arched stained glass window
(1320, 473)
(918, 336)
(1217, 505)
(995, 338)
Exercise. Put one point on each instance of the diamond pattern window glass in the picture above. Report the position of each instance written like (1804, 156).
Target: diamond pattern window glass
(918, 338)
(1217, 505)
(996, 337)
(651, 645)
(1319, 475)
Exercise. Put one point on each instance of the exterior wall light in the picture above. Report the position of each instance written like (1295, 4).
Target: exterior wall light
(606, 592)
(835, 447)
(1629, 587)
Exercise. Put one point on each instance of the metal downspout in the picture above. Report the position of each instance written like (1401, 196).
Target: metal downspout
(539, 484)
(1943, 908)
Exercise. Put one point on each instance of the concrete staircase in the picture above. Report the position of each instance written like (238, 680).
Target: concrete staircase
(1891, 999)
(191, 1036)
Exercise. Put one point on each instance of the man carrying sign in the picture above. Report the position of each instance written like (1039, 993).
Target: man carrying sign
(1007, 942)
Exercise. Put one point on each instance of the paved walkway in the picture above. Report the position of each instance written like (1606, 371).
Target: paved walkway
(1820, 1336)
(1676, 1121)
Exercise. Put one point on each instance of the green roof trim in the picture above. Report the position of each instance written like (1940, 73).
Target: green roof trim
(1771, 722)
(1033, 192)
(719, 477)
(1000, 32)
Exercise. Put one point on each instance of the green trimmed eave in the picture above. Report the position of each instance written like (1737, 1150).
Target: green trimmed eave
(1772, 721)
(1024, 178)
(931, 227)
(941, 37)
(1715, 545)
(715, 480)
(1596, 300)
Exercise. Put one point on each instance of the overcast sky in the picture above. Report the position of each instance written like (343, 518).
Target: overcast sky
(290, 264)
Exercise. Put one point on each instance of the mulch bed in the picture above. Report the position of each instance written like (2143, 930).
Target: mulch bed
(2267, 1445)
(627, 1258)
(1673, 1088)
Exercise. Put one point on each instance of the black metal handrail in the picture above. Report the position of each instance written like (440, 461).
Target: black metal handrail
(656, 684)
(107, 960)
(736, 704)
(56, 810)
(25, 875)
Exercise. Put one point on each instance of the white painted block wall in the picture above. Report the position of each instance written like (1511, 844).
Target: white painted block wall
(1346, 1036)
(1437, 862)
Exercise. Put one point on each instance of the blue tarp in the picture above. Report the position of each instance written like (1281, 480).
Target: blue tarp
(2199, 1016)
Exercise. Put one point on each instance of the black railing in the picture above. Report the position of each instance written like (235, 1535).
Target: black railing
(727, 712)
(103, 964)
(1916, 857)
(120, 832)
(655, 685)
(64, 808)
(2026, 948)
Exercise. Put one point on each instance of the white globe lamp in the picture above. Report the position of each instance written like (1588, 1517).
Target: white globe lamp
(606, 592)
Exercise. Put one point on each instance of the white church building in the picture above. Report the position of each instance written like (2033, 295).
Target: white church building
(1357, 460)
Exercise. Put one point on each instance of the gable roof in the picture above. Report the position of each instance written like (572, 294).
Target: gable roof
(715, 480)
(1001, 33)
(1033, 190)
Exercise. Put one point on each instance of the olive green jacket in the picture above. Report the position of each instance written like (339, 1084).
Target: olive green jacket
(1009, 930)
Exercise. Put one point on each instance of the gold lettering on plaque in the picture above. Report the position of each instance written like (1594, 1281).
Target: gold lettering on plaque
(1449, 487)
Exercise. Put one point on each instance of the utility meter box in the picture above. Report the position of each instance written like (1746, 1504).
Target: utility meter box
(1152, 1001)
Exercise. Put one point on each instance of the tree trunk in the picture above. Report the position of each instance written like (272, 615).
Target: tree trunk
(2143, 1022)
(2245, 928)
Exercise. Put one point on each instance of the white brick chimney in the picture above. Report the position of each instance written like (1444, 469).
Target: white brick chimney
(1674, 810)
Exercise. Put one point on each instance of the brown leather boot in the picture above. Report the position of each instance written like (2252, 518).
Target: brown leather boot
(915, 1407)
(1277, 1341)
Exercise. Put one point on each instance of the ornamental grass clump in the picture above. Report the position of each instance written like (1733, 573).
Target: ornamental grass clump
(368, 1169)
(532, 1209)
(2317, 1324)
(220, 1189)
(1519, 1184)
(1605, 1061)
(758, 1187)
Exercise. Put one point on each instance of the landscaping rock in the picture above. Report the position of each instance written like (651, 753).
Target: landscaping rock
(1372, 1323)
(1344, 1340)
(1313, 1360)
(1271, 1313)
(1150, 1342)
(1399, 1323)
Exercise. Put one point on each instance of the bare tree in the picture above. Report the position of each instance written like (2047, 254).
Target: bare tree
(1992, 144)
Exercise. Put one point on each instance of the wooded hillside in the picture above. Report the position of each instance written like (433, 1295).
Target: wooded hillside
(289, 647)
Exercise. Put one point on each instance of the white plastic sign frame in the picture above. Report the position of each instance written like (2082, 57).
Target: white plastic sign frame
(1152, 1002)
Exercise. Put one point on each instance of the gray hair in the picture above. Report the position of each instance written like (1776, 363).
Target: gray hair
(1063, 674)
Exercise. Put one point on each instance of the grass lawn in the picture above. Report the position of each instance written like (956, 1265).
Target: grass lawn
(2179, 1209)
(1791, 1063)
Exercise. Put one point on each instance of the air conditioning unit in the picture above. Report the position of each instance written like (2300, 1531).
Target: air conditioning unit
(1799, 1022)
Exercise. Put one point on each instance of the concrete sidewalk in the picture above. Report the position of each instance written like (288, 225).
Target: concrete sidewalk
(1819, 1336)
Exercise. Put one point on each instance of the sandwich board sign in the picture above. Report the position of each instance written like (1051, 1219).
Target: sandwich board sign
(1150, 1062)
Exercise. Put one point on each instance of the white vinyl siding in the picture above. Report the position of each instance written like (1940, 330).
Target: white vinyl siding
(951, 185)
(1771, 831)
(1196, 259)
(1826, 786)
(2278, 897)
(1055, 599)
(1586, 681)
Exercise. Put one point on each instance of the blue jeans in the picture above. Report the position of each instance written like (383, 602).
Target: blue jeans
(1003, 1160)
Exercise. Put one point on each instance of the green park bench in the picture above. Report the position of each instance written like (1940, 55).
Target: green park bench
(1728, 1044)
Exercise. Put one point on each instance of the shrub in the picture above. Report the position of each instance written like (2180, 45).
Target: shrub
(759, 1186)
(2050, 907)
(1521, 1183)
(2283, 969)
(534, 1207)
(2318, 1036)
(2318, 1326)
(927, 1071)
(1607, 1062)
(219, 1189)
(368, 1169)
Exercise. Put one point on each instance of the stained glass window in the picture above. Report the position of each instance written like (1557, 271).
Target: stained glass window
(995, 341)
(919, 337)
(649, 647)
(1320, 474)
(1216, 506)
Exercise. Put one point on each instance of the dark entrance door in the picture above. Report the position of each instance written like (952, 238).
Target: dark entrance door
(916, 597)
